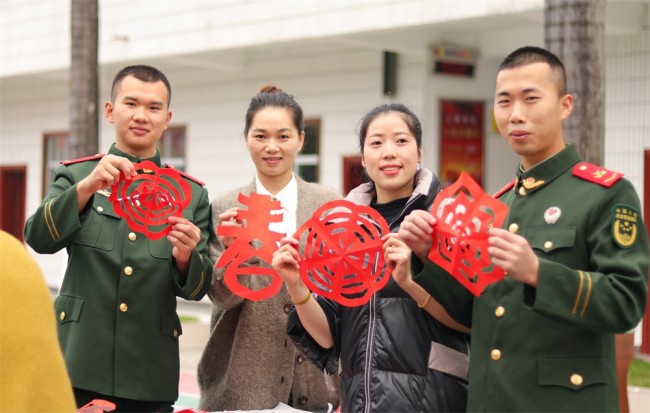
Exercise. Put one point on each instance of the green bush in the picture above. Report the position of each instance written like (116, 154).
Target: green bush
(639, 373)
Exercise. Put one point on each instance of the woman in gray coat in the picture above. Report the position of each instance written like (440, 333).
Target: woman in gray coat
(249, 363)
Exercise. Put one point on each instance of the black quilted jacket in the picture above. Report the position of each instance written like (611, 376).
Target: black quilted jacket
(392, 356)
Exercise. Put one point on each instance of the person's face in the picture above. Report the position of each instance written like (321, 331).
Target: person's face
(529, 111)
(390, 156)
(140, 114)
(273, 142)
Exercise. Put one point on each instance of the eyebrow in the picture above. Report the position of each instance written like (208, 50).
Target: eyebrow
(264, 130)
(153, 102)
(525, 91)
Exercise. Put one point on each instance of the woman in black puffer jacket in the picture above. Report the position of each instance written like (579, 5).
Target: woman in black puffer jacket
(400, 352)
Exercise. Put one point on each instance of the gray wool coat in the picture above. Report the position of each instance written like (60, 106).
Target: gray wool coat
(249, 363)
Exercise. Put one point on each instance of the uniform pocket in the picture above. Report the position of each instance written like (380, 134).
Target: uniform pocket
(575, 373)
(551, 238)
(99, 227)
(162, 248)
(68, 308)
(170, 325)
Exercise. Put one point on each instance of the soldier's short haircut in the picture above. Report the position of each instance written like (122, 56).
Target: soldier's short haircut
(530, 54)
(144, 73)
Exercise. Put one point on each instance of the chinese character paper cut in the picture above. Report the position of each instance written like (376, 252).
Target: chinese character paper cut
(343, 258)
(253, 240)
(465, 213)
(148, 199)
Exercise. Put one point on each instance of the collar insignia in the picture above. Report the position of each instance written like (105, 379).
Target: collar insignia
(530, 183)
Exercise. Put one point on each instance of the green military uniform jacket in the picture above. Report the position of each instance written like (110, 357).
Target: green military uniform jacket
(116, 309)
(551, 348)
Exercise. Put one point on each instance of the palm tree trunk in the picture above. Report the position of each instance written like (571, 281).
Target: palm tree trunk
(575, 31)
(84, 85)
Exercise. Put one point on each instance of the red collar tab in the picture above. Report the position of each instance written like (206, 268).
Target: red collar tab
(505, 189)
(596, 174)
(191, 178)
(84, 159)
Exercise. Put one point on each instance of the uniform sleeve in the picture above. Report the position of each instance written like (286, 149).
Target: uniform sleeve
(454, 298)
(197, 282)
(56, 220)
(611, 295)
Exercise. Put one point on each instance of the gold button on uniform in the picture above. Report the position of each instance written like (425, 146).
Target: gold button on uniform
(62, 315)
(548, 244)
(100, 209)
(132, 236)
(522, 191)
(496, 355)
(576, 379)
(128, 270)
(124, 308)
(500, 311)
(513, 228)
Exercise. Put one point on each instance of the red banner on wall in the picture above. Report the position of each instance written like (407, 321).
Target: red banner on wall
(461, 140)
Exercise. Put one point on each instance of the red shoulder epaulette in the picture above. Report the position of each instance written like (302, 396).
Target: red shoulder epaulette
(596, 174)
(191, 178)
(84, 159)
(505, 189)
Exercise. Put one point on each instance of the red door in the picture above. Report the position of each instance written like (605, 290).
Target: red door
(12, 199)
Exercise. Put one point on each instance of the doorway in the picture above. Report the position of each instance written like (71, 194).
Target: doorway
(12, 199)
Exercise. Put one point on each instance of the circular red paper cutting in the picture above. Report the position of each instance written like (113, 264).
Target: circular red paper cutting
(148, 199)
(343, 257)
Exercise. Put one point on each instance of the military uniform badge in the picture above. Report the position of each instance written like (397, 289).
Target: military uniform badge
(625, 225)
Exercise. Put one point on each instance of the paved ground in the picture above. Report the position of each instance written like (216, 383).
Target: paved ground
(195, 336)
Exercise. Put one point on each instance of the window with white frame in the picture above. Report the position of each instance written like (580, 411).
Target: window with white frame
(308, 160)
(55, 150)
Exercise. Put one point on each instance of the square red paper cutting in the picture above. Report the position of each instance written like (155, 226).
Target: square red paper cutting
(465, 213)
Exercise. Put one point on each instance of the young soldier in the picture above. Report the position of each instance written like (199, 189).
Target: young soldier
(575, 251)
(118, 325)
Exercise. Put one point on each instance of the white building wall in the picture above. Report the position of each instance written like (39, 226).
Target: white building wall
(627, 110)
(34, 33)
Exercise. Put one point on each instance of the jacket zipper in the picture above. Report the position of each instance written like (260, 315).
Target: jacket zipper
(404, 210)
(369, 346)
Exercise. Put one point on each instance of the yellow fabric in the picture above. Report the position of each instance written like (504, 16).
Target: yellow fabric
(33, 377)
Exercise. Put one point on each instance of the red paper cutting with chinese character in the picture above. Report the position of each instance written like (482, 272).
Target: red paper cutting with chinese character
(148, 199)
(465, 213)
(343, 258)
(254, 239)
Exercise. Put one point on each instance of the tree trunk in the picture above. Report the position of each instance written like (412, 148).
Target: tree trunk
(575, 31)
(84, 85)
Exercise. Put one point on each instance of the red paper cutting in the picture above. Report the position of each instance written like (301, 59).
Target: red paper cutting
(254, 239)
(465, 213)
(343, 258)
(148, 199)
(97, 406)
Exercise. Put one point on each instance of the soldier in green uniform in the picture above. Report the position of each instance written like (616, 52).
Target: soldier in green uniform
(575, 251)
(116, 309)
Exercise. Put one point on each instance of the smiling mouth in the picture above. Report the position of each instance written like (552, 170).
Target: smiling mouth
(391, 168)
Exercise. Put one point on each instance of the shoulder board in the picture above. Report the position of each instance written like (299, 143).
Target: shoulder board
(84, 159)
(191, 178)
(596, 174)
(505, 189)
